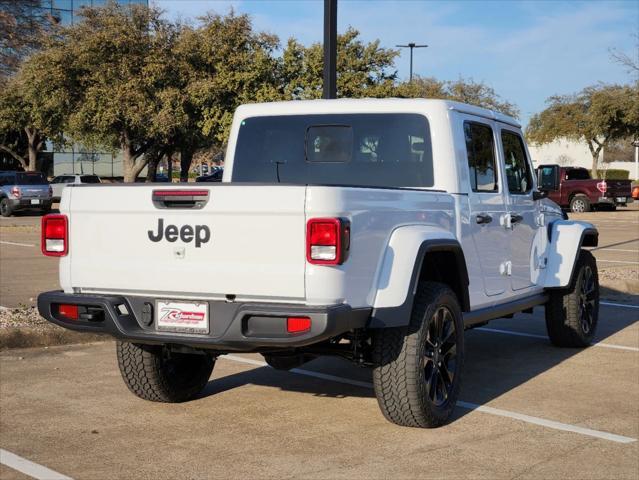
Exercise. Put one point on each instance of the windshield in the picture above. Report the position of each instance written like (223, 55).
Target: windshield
(385, 150)
(30, 178)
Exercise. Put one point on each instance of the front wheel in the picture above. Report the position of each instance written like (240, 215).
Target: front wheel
(572, 313)
(154, 373)
(417, 374)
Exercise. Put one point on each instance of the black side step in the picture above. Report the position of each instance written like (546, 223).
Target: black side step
(490, 313)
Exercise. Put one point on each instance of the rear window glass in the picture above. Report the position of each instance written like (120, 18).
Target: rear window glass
(30, 178)
(90, 179)
(378, 150)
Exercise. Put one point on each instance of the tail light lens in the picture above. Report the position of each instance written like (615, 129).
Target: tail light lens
(55, 235)
(16, 192)
(602, 186)
(327, 241)
(298, 324)
(50, 191)
(69, 311)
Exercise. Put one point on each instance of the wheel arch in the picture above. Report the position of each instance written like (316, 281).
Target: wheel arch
(565, 240)
(416, 254)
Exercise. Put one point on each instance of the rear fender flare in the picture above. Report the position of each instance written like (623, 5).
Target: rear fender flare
(399, 273)
(565, 239)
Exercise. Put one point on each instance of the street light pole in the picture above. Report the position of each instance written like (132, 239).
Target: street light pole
(411, 46)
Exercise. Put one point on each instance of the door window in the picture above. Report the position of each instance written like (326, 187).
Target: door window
(480, 149)
(518, 173)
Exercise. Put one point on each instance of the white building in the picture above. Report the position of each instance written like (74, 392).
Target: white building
(572, 153)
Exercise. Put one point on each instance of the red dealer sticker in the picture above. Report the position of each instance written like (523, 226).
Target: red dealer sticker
(185, 317)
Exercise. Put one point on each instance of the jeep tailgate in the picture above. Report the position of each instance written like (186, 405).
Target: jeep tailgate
(254, 248)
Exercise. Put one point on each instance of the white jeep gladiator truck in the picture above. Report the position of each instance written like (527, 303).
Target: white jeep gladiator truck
(376, 230)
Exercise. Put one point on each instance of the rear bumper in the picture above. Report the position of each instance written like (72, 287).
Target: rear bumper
(25, 203)
(233, 326)
(615, 200)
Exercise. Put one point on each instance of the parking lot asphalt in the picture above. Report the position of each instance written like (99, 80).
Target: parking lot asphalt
(527, 409)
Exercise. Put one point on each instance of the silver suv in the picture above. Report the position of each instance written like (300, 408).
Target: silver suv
(24, 191)
(61, 181)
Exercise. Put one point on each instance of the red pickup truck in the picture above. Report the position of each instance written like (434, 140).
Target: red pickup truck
(573, 188)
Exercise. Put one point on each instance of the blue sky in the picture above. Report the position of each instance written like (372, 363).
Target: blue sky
(526, 50)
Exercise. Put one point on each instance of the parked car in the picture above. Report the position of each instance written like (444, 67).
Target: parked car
(214, 176)
(574, 189)
(24, 191)
(61, 181)
(374, 230)
(162, 178)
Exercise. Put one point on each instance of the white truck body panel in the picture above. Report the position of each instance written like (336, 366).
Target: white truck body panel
(257, 246)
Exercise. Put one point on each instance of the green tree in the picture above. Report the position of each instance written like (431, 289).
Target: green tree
(122, 81)
(34, 103)
(462, 90)
(597, 115)
(229, 64)
(363, 69)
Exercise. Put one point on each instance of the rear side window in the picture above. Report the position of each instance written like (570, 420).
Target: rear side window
(577, 174)
(480, 148)
(518, 172)
(377, 150)
(31, 178)
(90, 179)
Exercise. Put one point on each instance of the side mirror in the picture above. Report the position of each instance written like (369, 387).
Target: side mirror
(539, 194)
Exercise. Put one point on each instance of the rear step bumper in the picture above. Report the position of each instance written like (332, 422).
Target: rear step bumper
(233, 326)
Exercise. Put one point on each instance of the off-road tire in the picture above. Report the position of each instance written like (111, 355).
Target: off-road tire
(580, 204)
(153, 373)
(564, 320)
(401, 365)
(5, 208)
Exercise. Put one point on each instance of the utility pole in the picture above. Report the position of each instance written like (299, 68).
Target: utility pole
(411, 46)
(330, 49)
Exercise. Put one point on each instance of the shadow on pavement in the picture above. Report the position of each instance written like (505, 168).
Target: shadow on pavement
(494, 365)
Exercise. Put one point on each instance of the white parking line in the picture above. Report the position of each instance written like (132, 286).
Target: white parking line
(604, 249)
(622, 305)
(471, 406)
(617, 261)
(532, 335)
(17, 244)
(29, 468)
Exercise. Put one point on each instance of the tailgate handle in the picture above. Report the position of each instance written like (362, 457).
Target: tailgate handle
(184, 198)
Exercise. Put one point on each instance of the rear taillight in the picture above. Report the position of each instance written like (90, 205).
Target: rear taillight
(327, 241)
(602, 186)
(16, 192)
(50, 191)
(298, 324)
(55, 235)
(68, 311)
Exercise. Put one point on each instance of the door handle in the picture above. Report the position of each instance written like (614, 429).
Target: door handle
(483, 218)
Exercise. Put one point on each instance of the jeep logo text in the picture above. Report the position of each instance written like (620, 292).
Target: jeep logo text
(200, 233)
